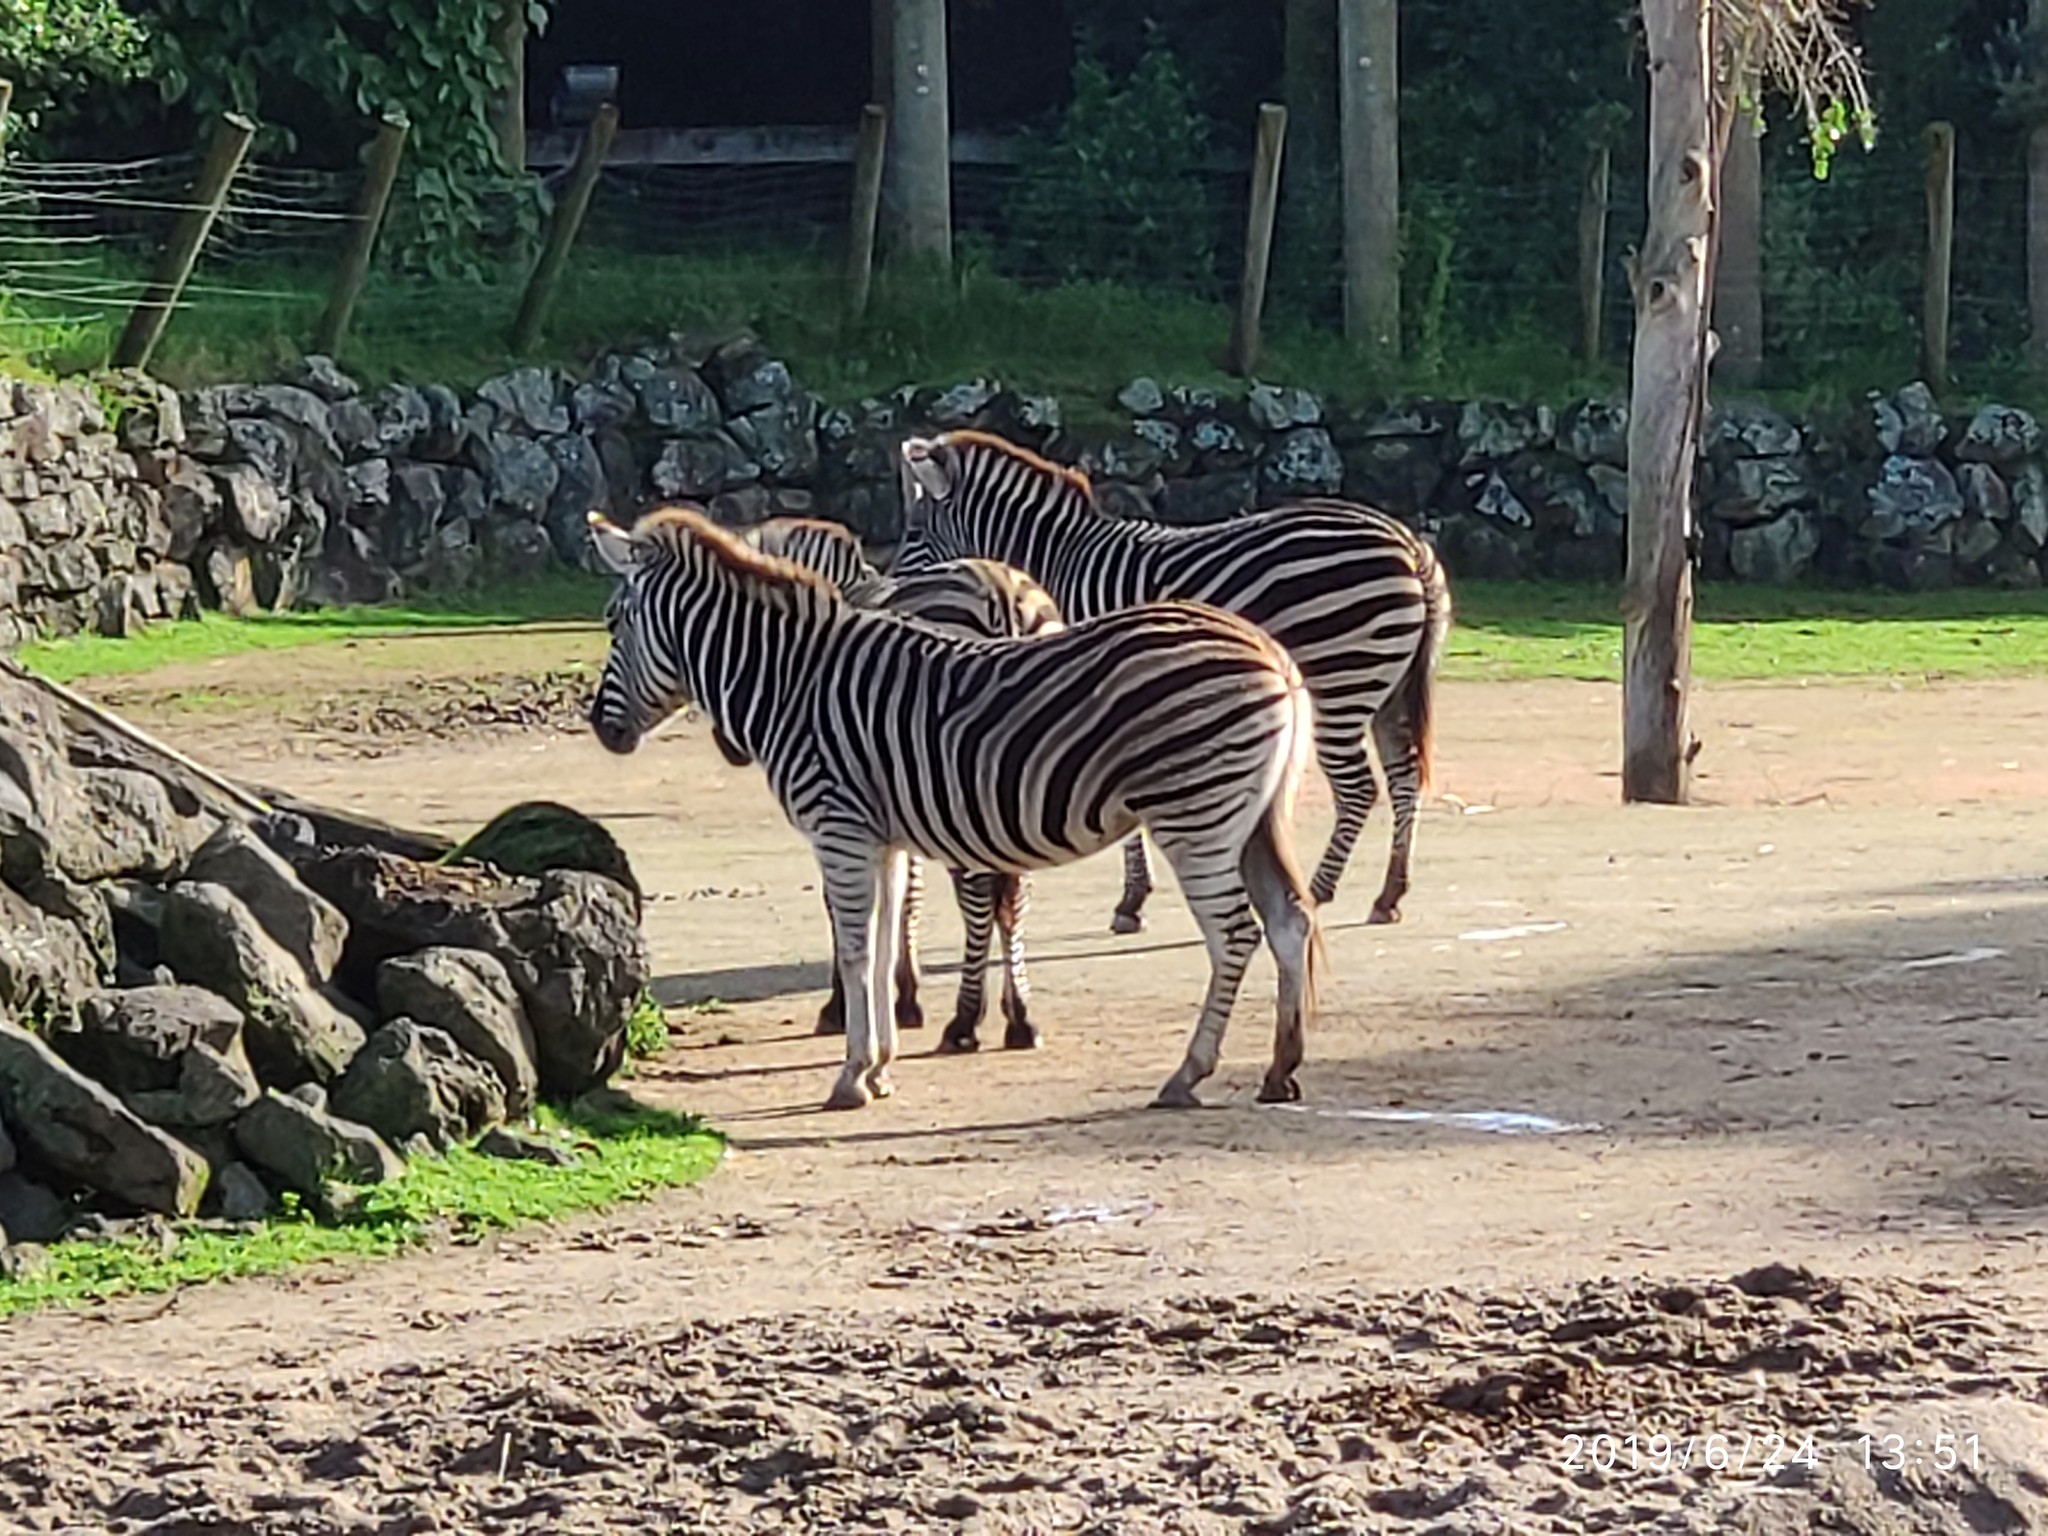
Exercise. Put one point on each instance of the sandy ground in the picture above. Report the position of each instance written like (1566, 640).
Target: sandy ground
(1797, 1024)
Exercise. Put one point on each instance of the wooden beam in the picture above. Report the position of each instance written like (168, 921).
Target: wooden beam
(867, 200)
(1258, 239)
(562, 229)
(1941, 241)
(1738, 308)
(380, 171)
(203, 203)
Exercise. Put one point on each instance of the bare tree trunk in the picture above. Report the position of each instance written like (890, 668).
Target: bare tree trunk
(1368, 95)
(1310, 253)
(508, 106)
(1738, 310)
(1669, 281)
(921, 132)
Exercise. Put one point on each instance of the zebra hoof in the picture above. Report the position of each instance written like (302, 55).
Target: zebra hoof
(1283, 1091)
(1020, 1037)
(1127, 922)
(1384, 915)
(880, 1084)
(959, 1042)
(1177, 1094)
(851, 1091)
(910, 1015)
(830, 1022)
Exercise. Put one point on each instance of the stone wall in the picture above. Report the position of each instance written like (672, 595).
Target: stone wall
(312, 490)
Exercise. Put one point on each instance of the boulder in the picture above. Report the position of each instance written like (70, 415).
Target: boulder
(569, 941)
(7, 1153)
(1596, 432)
(212, 1088)
(266, 448)
(2030, 507)
(1749, 431)
(46, 963)
(536, 836)
(580, 488)
(308, 928)
(1777, 553)
(293, 1031)
(77, 1128)
(701, 467)
(1909, 422)
(1912, 494)
(597, 404)
(238, 1194)
(1301, 462)
(531, 397)
(413, 1080)
(255, 508)
(782, 439)
(520, 472)
(402, 419)
(519, 548)
(1398, 473)
(956, 405)
(677, 400)
(1751, 490)
(229, 579)
(1489, 431)
(32, 1212)
(1999, 434)
(304, 1147)
(1142, 397)
(131, 1038)
(1975, 541)
(469, 996)
(1275, 408)
(517, 1147)
(1984, 493)
(322, 376)
(746, 378)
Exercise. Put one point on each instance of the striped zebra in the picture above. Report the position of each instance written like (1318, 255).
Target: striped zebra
(1358, 600)
(975, 597)
(883, 737)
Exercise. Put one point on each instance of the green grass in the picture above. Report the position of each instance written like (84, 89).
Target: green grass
(624, 1153)
(565, 596)
(1537, 630)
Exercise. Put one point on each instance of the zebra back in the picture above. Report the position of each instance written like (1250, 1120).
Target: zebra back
(977, 597)
(832, 550)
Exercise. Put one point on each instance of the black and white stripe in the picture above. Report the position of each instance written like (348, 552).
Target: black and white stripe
(1358, 600)
(972, 597)
(883, 738)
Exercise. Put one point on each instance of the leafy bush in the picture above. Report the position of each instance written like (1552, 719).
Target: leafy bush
(1116, 193)
(61, 53)
(433, 60)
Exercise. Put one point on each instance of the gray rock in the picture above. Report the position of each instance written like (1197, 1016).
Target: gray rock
(469, 996)
(1142, 397)
(1751, 490)
(468, 497)
(1209, 498)
(292, 1030)
(1120, 499)
(255, 510)
(131, 1038)
(596, 405)
(206, 423)
(532, 397)
(31, 1212)
(521, 474)
(746, 378)
(1596, 432)
(1909, 422)
(580, 488)
(1747, 430)
(50, 518)
(230, 580)
(7, 1152)
(1111, 453)
(1175, 455)
(1912, 495)
(1399, 474)
(265, 447)
(212, 1088)
(677, 400)
(46, 963)
(322, 376)
(351, 572)
(569, 941)
(958, 405)
(782, 439)
(356, 432)
(419, 498)
(1490, 431)
(1476, 548)
(1496, 499)
(191, 504)
(1975, 541)
(701, 467)
(450, 562)
(2030, 506)
(1302, 462)
(75, 1127)
(1984, 494)
(368, 493)
(1777, 553)
(1276, 408)
(1999, 434)
(308, 928)
(1022, 417)
(520, 548)
(516, 1147)
(153, 416)
(1219, 443)
(448, 427)
(239, 1195)
(742, 507)
(402, 419)
(413, 1080)
(304, 1147)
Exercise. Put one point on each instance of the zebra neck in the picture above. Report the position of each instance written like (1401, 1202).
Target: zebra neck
(755, 666)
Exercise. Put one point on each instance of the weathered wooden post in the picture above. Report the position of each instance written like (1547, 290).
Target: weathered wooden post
(563, 227)
(508, 103)
(1258, 239)
(2037, 248)
(1593, 253)
(380, 171)
(1941, 239)
(1738, 306)
(6, 102)
(921, 133)
(1368, 99)
(203, 203)
(869, 153)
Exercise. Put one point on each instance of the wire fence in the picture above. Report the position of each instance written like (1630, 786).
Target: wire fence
(1490, 271)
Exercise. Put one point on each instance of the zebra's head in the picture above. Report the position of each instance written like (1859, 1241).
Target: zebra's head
(929, 469)
(970, 494)
(641, 686)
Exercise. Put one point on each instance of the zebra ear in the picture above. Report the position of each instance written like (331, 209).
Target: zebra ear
(613, 544)
(925, 471)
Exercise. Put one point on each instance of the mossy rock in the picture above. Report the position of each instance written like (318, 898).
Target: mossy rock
(537, 836)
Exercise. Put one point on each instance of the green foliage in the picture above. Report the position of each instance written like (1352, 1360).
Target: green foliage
(1116, 193)
(624, 1151)
(335, 66)
(647, 1029)
(63, 57)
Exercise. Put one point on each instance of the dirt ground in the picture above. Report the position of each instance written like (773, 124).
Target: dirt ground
(1613, 1060)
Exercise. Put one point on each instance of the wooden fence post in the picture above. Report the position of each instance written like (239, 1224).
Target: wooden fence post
(380, 170)
(208, 194)
(562, 228)
(1593, 253)
(869, 153)
(1258, 239)
(1941, 234)
(1369, 126)
(6, 102)
(2037, 248)
(1737, 305)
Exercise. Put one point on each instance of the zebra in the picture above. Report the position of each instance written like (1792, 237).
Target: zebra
(1360, 602)
(975, 597)
(883, 737)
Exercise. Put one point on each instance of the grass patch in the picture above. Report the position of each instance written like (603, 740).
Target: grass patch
(1514, 630)
(565, 596)
(625, 1151)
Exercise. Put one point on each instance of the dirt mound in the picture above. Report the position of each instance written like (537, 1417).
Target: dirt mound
(1447, 1411)
(443, 709)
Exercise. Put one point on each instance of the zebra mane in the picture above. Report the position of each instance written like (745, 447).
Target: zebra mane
(681, 532)
(970, 437)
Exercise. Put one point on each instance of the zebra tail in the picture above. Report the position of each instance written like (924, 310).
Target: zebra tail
(1279, 828)
(1418, 687)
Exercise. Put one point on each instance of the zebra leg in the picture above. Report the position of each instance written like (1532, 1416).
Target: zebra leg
(1215, 891)
(1130, 911)
(1401, 758)
(832, 1017)
(854, 888)
(889, 915)
(909, 1011)
(1340, 748)
(1012, 902)
(1289, 915)
(976, 893)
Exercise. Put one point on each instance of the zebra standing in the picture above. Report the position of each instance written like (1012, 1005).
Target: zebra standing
(1358, 600)
(882, 738)
(975, 597)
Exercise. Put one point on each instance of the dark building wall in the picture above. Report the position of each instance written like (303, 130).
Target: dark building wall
(730, 63)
